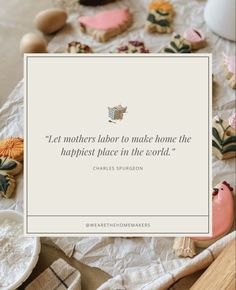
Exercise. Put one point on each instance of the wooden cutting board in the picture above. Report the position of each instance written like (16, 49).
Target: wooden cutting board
(220, 275)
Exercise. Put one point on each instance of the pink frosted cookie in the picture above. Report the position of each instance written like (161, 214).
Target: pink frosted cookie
(195, 37)
(229, 70)
(107, 24)
(222, 222)
(232, 121)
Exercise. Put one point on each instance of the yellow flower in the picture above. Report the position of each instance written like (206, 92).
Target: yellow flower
(13, 148)
(161, 5)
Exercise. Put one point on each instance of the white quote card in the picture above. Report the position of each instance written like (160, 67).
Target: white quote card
(117, 144)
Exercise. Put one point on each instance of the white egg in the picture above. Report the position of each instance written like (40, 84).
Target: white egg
(50, 20)
(32, 43)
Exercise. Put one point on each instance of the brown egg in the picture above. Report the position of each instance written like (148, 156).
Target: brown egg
(31, 43)
(51, 20)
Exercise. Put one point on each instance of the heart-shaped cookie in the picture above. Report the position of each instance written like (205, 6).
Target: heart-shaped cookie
(106, 24)
(195, 37)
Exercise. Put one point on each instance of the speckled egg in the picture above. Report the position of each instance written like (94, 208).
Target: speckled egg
(32, 43)
(50, 20)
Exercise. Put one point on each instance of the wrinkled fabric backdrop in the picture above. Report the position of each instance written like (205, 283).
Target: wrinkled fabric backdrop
(139, 263)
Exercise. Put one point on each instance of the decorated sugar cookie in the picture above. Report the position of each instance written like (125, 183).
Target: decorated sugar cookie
(229, 70)
(7, 184)
(13, 148)
(224, 138)
(10, 166)
(78, 47)
(107, 24)
(133, 47)
(222, 222)
(195, 37)
(178, 44)
(160, 16)
(232, 121)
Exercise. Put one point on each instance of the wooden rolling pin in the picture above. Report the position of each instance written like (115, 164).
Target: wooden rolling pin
(220, 275)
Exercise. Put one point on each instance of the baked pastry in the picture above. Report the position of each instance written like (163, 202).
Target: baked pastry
(95, 2)
(160, 16)
(10, 166)
(222, 222)
(178, 44)
(7, 184)
(230, 70)
(78, 47)
(232, 121)
(224, 138)
(195, 37)
(13, 148)
(133, 46)
(106, 24)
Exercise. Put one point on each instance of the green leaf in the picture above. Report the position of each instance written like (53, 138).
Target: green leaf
(230, 139)
(163, 22)
(184, 51)
(8, 166)
(214, 144)
(216, 135)
(173, 44)
(169, 50)
(151, 18)
(3, 183)
(231, 148)
(185, 48)
(162, 13)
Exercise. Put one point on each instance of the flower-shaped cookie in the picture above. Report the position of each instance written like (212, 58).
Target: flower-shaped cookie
(13, 148)
(160, 17)
(223, 138)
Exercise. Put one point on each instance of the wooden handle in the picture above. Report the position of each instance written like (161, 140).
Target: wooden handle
(220, 275)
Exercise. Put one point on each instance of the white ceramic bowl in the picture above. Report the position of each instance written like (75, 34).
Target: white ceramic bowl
(220, 17)
(14, 216)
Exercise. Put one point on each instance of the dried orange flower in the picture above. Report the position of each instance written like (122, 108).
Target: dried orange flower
(161, 5)
(13, 148)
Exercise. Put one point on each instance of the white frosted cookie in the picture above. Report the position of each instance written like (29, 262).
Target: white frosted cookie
(106, 24)
(230, 70)
(160, 17)
(224, 138)
(178, 44)
(7, 184)
(10, 166)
